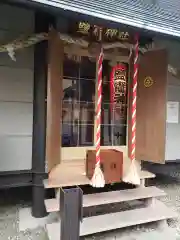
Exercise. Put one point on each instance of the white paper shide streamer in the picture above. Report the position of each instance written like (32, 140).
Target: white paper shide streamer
(11, 52)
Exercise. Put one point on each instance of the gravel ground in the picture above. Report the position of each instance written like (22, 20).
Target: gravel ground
(9, 222)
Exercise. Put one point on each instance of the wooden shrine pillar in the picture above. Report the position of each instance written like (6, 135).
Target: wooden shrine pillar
(42, 22)
(54, 100)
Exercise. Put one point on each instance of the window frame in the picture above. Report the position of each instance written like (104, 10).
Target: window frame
(95, 105)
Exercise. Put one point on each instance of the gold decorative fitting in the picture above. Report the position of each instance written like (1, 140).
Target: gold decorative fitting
(148, 82)
(84, 27)
(111, 32)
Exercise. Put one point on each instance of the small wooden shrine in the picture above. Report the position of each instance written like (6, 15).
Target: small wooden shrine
(72, 103)
(106, 111)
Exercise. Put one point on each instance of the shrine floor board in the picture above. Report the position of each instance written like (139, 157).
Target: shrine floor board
(72, 172)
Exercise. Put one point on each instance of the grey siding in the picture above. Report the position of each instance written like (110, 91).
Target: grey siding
(16, 92)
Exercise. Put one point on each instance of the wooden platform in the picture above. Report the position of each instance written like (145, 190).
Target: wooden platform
(156, 212)
(89, 200)
(72, 173)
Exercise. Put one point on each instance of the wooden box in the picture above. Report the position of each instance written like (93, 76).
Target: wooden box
(111, 164)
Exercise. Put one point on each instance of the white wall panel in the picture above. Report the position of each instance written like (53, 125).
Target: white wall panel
(16, 91)
(173, 94)
(173, 129)
(16, 118)
(15, 153)
(24, 59)
(16, 84)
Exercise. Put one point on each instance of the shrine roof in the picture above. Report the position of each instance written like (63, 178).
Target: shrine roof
(134, 13)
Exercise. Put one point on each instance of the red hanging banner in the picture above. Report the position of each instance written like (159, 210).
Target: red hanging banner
(118, 82)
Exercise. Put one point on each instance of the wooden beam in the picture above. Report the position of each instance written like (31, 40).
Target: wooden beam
(54, 100)
(117, 45)
(77, 51)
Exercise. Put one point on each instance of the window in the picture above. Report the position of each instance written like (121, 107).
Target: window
(79, 106)
(78, 102)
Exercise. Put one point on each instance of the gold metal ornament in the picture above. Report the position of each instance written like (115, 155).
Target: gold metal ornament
(148, 82)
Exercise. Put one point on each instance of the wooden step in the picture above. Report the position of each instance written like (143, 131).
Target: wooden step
(96, 224)
(52, 205)
(77, 179)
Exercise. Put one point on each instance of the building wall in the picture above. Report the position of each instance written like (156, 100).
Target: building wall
(173, 94)
(16, 92)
